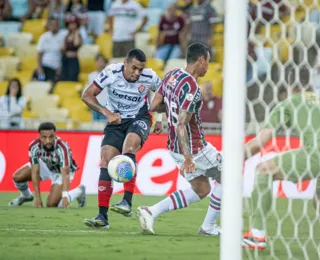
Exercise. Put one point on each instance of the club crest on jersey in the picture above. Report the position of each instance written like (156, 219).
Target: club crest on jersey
(189, 97)
(141, 88)
(141, 124)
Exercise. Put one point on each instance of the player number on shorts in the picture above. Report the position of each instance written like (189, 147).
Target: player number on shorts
(172, 114)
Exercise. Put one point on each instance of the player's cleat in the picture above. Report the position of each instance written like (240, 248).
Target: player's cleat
(20, 200)
(82, 200)
(122, 208)
(146, 219)
(97, 222)
(252, 242)
(213, 231)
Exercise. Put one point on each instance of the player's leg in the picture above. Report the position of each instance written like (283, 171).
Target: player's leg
(20, 179)
(111, 146)
(137, 133)
(55, 195)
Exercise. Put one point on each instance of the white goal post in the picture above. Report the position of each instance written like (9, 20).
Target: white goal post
(235, 51)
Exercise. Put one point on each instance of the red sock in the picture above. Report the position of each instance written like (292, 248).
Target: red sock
(130, 185)
(104, 193)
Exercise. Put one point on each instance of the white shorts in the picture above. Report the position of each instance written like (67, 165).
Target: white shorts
(45, 174)
(96, 22)
(208, 162)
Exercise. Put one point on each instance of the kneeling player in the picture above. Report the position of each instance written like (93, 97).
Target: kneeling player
(50, 158)
(196, 158)
(128, 127)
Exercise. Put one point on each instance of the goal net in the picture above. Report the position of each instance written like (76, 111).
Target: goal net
(283, 35)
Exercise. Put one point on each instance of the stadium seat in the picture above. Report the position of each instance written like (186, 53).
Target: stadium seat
(23, 76)
(82, 115)
(35, 89)
(218, 55)
(156, 65)
(143, 3)
(87, 64)
(29, 64)
(73, 103)
(39, 105)
(55, 114)
(18, 40)
(9, 65)
(67, 89)
(219, 28)
(88, 51)
(27, 114)
(117, 60)
(6, 51)
(93, 126)
(153, 31)
(105, 43)
(142, 42)
(36, 27)
(154, 16)
(8, 28)
(29, 50)
(83, 78)
(218, 40)
(3, 87)
(175, 63)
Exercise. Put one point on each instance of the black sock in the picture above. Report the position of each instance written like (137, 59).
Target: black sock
(131, 156)
(128, 197)
(104, 212)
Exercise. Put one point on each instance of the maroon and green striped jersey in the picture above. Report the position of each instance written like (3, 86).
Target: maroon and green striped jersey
(180, 91)
(59, 157)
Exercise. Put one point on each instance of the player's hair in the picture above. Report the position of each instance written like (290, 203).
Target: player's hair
(46, 126)
(101, 56)
(299, 78)
(196, 50)
(136, 54)
(19, 94)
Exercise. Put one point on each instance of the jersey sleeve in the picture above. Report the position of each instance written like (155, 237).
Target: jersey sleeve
(279, 117)
(33, 149)
(64, 154)
(104, 78)
(41, 45)
(189, 96)
(156, 82)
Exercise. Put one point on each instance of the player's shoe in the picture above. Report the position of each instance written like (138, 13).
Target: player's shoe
(82, 200)
(146, 219)
(212, 231)
(98, 222)
(20, 200)
(122, 208)
(253, 242)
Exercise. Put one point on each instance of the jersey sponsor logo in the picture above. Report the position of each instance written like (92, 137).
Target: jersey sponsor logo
(126, 97)
(141, 123)
(141, 88)
(123, 106)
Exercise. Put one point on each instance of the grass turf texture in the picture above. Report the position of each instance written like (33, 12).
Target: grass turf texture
(29, 233)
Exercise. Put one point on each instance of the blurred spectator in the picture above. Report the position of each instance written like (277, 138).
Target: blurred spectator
(72, 42)
(56, 10)
(76, 8)
(49, 53)
(185, 5)
(169, 35)
(211, 111)
(200, 20)
(283, 94)
(39, 7)
(123, 18)
(97, 15)
(5, 10)
(21, 9)
(101, 63)
(12, 105)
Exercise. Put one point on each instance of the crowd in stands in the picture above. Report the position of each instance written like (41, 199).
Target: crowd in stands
(61, 45)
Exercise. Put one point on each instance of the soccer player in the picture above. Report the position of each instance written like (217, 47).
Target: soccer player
(50, 158)
(301, 113)
(127, 112)
(197, 159)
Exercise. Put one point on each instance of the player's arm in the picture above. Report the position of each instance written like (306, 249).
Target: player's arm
(35, 175)
(65, 171)
(254, 146)
(157, 104)
(183, 120)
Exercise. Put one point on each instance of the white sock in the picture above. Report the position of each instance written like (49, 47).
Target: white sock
(214, 207)
(23, 187)
(72, 195)
(177, 200)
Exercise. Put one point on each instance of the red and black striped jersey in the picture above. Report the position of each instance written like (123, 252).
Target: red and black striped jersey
(59, 157)
(180, 91)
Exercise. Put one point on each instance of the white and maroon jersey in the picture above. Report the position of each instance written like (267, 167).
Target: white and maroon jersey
(129, 99)
(181, 92)
(59, 157)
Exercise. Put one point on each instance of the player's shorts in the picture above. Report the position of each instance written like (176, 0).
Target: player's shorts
(45, 174)
(114, 135)
(208, 162)
(298, 164)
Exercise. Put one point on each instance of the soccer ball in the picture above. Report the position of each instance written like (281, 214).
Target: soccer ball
(121, 168)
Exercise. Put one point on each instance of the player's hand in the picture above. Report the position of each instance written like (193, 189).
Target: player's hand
(188, 166)
(114, 119)
(158, 127)
(38, 203)
(65, 202)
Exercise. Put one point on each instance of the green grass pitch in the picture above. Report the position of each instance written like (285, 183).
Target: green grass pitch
(29, 233)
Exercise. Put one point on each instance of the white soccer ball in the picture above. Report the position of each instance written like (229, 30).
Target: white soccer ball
(121, 168)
